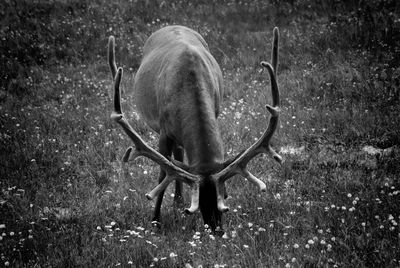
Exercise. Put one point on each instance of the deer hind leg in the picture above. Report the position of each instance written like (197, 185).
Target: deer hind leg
(165, 146)
(178, 155)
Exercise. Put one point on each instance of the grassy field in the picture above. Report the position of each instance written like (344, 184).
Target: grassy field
(66, 200)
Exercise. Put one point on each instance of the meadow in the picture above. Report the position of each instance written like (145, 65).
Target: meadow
(67, 200)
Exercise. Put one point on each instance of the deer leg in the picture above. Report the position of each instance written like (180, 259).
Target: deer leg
(178, 155)
(165, 146)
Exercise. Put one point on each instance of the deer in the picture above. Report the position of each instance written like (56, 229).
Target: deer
(177, 90)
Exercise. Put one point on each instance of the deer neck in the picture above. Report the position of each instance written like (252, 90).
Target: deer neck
(201, 135)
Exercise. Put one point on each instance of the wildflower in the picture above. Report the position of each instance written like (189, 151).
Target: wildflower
(287, 265)
(349, 195)
(322, 242)
(156, 259)
(296, 245)
(245, 246)
(261, 229)
(390, 217)
(329, 247)
(98, 228)
(234, 234)
(2, 226)
(363, 224)
(113, 223)
(311, 242)
(307, 246)
(294, 259)
(225, 236)
(250, 224)
(173, 255)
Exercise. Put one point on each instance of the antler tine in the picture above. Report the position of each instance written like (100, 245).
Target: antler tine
(275, 47)
(239, 165)
(111, 56)
(173, 172)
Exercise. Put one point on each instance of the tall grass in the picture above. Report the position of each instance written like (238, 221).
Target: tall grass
(67, 200)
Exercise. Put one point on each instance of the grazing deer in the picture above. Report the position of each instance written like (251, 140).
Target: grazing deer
(178, 90)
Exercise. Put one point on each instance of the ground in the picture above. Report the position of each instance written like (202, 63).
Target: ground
(67, 200)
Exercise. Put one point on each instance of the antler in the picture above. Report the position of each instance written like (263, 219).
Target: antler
(172, 171)
(239, 164)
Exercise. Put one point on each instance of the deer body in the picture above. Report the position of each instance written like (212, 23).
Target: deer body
(178, 90)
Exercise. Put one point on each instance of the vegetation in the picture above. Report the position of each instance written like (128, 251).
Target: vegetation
(67, 200)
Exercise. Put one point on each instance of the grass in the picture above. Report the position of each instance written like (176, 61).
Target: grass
(67, 200)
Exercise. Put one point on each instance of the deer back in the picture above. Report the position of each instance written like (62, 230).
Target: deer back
(178, 89)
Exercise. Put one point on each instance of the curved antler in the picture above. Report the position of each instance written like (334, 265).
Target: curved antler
(262, 145)
(172, 171)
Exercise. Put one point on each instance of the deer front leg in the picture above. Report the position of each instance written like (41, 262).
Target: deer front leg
(165, 146)
(178, 198)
